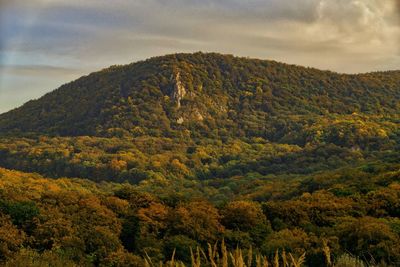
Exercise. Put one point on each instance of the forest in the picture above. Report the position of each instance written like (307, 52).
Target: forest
(204, 160)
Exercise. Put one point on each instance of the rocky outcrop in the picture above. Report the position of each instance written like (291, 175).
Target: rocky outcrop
(180, 120)
(179, 90)
(191, 114)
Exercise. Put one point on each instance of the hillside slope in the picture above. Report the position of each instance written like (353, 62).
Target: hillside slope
(200, 95)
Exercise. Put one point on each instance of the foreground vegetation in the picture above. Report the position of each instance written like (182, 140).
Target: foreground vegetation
(78, 222)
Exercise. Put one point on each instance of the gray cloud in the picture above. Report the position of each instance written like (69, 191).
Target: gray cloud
(19, 84)
(35, 70)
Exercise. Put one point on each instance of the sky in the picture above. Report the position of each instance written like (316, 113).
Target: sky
(46, 43)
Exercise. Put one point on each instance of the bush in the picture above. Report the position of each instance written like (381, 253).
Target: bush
(181, 244)
(31, 258)
(347, 260)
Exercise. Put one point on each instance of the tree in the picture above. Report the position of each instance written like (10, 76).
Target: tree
(243, 215)
(197, 219)
(369, 238)
(11, 238)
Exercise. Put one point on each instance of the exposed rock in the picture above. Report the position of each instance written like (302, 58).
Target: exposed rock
(198, 115)
(179, 90)
(180, 120)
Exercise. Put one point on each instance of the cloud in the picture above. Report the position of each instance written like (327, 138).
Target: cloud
(97, 29)
(67, 38)
(19, 84)
(34, 70)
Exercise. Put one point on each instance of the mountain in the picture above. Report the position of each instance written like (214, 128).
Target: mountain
(205, 117)
(202, 95)
(188, 150)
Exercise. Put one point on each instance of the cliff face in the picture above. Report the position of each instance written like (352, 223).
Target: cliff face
(179, 90)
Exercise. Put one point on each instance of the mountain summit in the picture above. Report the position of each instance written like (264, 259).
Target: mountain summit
(203, 94)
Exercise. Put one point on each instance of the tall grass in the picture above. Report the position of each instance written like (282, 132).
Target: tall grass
(220, 256)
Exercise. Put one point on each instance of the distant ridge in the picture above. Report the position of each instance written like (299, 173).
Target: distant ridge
(204, 93)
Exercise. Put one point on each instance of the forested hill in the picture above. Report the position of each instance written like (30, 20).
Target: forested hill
(186, 150)
(202, 95)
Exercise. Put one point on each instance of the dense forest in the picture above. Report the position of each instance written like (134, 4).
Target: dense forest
(204, 160)
(203, 95)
